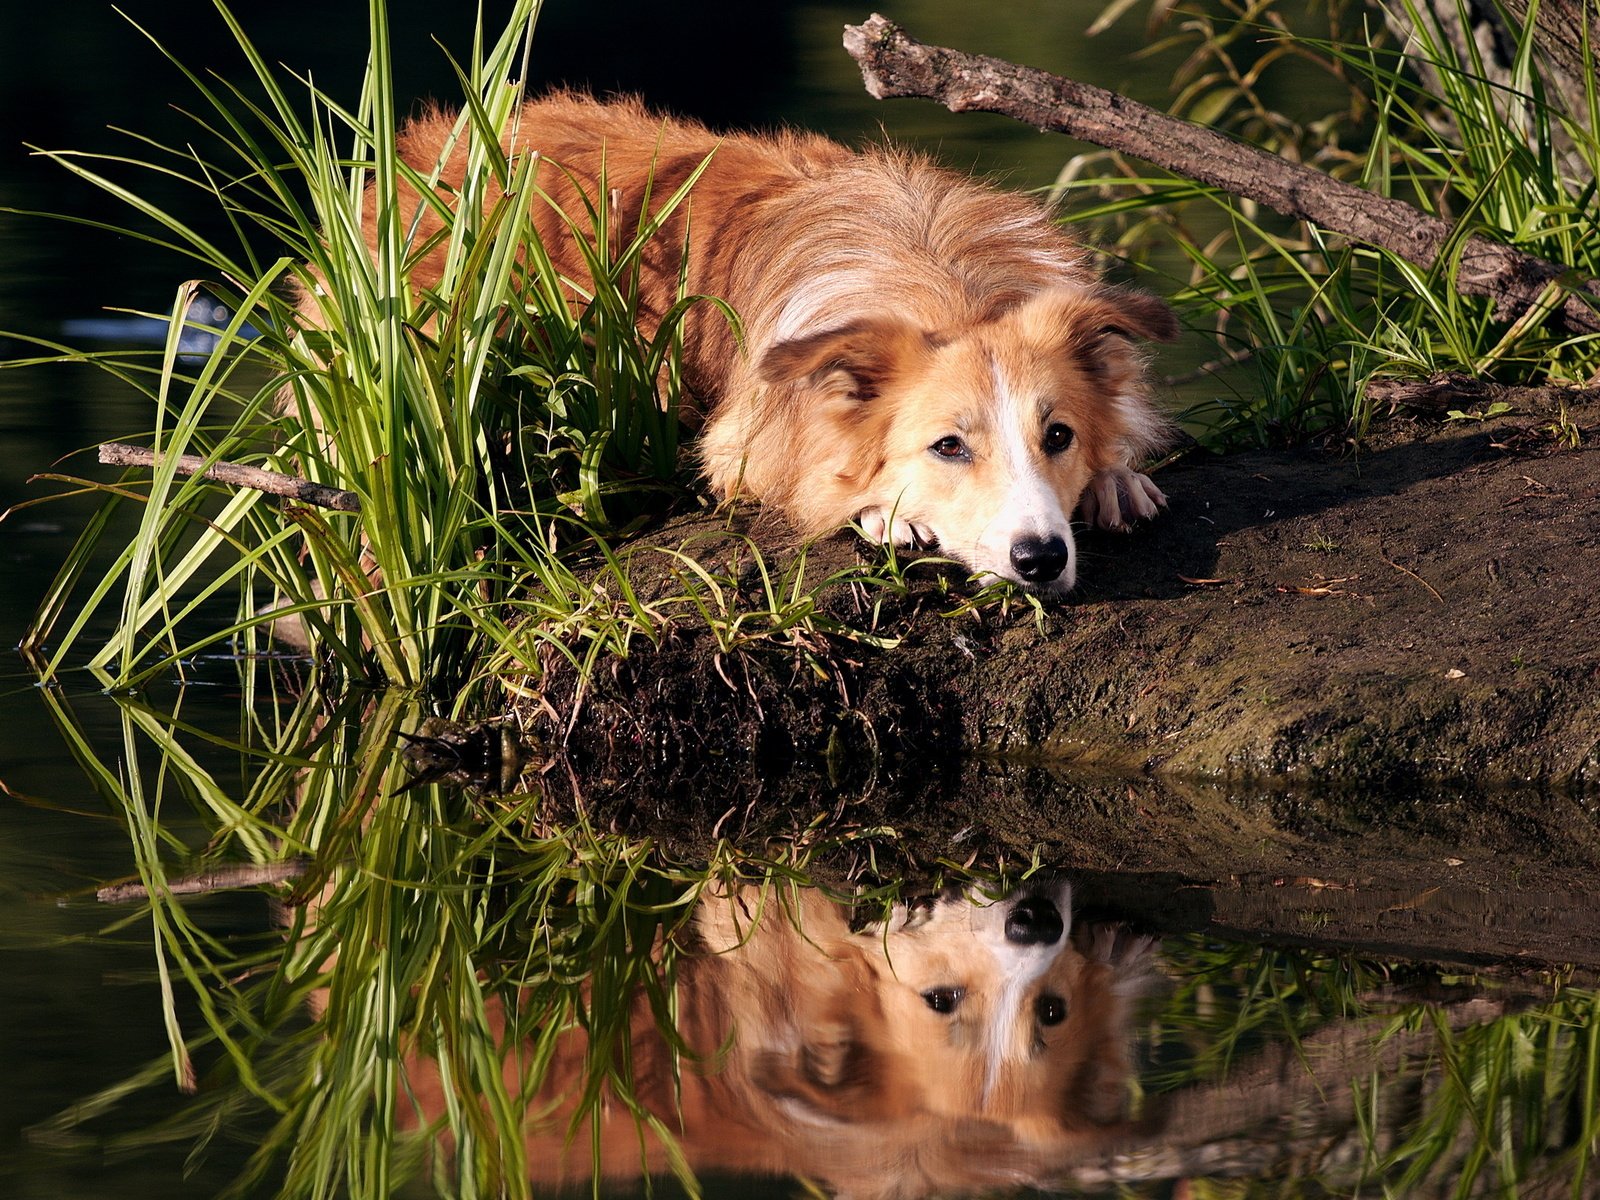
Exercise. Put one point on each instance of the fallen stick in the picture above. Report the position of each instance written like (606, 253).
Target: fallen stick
(1453, 390)
(893, 65)
(120, 454)
(219, 879)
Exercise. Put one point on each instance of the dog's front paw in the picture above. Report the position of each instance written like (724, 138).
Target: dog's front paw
(1118, 496)
(877, 525)
(874, 524)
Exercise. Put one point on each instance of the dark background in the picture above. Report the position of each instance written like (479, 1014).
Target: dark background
(69, 71)
(73, 70)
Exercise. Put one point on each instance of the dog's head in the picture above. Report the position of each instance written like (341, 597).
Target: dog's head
(961, 1044)
(979, 442)
(1011, 1018)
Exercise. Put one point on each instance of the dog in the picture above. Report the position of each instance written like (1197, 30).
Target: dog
(962, 1045)
(924, 356)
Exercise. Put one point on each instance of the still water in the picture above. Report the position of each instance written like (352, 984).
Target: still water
(927, 1002)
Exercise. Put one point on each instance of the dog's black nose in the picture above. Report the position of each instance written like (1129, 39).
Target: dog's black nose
(1034, 921)
(1039, 560)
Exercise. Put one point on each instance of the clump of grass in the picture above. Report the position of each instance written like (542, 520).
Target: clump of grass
(497, 425)
(467, 416)
(1303, 319)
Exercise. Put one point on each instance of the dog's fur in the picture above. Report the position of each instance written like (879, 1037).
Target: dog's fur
(926, 355)
(817, 1051)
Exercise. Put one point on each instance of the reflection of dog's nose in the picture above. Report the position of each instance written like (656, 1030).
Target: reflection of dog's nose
(1039, 560)
(1034, 921)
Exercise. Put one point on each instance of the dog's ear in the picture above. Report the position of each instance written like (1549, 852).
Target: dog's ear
(857, 359)
(1120, 966)
(1095, 327)
(835, 1063)
(832, 1077)
(1136, 314)
(1079, 320)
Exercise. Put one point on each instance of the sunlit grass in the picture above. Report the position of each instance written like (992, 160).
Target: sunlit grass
(502, 427)
(468, 416)
(492, 429)
(1301, 318)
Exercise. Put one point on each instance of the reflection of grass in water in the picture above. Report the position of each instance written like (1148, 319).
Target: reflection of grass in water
(444, 907)
(1510, 1101)
(421, 912)
(1229, 1000)
(1480, 1094)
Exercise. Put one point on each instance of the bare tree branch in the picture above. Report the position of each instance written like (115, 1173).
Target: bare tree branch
(1454, 390)
(121, 454)
(893, 64)
(218, 879)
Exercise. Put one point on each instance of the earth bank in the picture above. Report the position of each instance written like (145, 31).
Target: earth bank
(1339, 697)
(1418, 608)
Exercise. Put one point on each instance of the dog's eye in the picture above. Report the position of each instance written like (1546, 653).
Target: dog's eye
(951, 447)
(1057, 437)
(942, 1000)
(1052, 1010)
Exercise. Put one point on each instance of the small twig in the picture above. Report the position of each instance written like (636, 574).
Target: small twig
(1450, 389)
(1413, 574)
(219, 879)
(120, 454)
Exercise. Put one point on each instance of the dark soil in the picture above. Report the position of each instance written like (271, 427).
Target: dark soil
(1348, 697)
(1418, 608)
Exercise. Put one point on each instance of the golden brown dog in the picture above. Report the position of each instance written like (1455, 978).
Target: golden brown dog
(960, 1046)
(924, 355)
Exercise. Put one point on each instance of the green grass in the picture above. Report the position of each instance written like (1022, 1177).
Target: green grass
(1300, 319)
(475, 419)
(492, 431)
(499, 436)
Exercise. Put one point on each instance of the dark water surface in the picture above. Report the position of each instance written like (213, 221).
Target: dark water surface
(80, 1005)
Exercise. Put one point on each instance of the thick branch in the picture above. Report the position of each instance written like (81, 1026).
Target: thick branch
(893, 64)
(119, 454)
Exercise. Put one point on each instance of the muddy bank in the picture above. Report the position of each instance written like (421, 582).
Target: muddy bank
(1482, 878)
(1418, 608)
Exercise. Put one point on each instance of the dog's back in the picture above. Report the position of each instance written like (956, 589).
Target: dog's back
(796, 232)
(872, 287)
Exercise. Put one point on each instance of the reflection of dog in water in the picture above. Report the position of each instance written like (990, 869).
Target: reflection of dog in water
(961, 1045)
